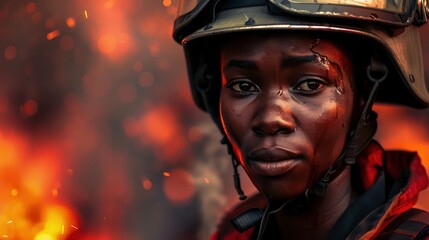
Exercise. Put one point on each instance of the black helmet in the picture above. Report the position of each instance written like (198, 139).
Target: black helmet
(392, 26)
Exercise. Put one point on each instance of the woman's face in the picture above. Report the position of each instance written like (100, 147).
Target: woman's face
(286, 106)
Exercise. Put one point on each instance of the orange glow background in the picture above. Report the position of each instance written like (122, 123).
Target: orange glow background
(99, 137)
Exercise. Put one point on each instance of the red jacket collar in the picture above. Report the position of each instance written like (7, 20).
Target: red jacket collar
(396, 163)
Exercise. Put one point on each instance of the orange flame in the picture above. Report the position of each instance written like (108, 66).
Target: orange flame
(27, 210)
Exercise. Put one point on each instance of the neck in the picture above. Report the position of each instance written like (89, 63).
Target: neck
(320, 217)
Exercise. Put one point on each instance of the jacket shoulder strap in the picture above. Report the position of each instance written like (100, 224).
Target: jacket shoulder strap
(410, 225)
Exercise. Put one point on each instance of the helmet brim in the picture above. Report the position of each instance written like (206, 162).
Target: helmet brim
(402, 47)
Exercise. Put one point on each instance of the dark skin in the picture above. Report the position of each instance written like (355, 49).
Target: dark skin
(286, 107)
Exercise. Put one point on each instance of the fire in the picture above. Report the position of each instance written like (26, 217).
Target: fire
(399, 130)
(160, 129)
(27, 211)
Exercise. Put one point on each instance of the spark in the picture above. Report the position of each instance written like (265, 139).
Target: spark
(73, 226)
(70, 22)
(147, 184)
(166, 3)
(166, 174)
(86, 14)
(206, 180)
(53, 34)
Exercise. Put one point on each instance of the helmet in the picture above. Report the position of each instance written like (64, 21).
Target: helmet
(390, 25)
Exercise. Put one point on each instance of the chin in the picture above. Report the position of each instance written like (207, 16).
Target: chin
(280, 191)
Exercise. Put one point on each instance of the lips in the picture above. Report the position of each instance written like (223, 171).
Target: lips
(272, 161)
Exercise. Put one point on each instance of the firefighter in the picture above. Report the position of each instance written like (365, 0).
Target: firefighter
(291, 85)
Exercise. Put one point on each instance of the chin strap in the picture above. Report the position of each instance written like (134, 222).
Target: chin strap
(359, 138)
(235, 164)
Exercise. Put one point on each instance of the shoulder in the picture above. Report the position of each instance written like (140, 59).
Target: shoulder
(412, 224)
(226, 229)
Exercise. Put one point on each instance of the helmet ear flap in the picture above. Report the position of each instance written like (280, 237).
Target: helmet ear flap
(203, 78)
(206, 82)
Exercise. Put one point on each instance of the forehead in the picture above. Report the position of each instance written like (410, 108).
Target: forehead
(254, 44)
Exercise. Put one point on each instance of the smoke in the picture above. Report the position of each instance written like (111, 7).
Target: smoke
(212, 166)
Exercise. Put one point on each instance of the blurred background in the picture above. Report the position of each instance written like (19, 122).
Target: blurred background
(99, 138)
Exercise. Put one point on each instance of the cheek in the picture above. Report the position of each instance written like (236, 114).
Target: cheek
(329, 128)
(236, 115)
(232, 126)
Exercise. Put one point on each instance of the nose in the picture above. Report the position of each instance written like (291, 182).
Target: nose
(274, 117)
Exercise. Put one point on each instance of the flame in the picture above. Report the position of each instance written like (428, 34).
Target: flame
(27, 211)
(160, 128)
(399, 130)
(110, 30)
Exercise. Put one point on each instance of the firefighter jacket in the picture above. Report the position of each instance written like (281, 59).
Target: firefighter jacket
(391, 182)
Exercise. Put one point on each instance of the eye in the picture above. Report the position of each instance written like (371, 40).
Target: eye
(243, 86)
(309, 85)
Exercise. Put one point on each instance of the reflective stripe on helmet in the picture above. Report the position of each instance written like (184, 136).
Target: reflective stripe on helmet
(395, 6)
